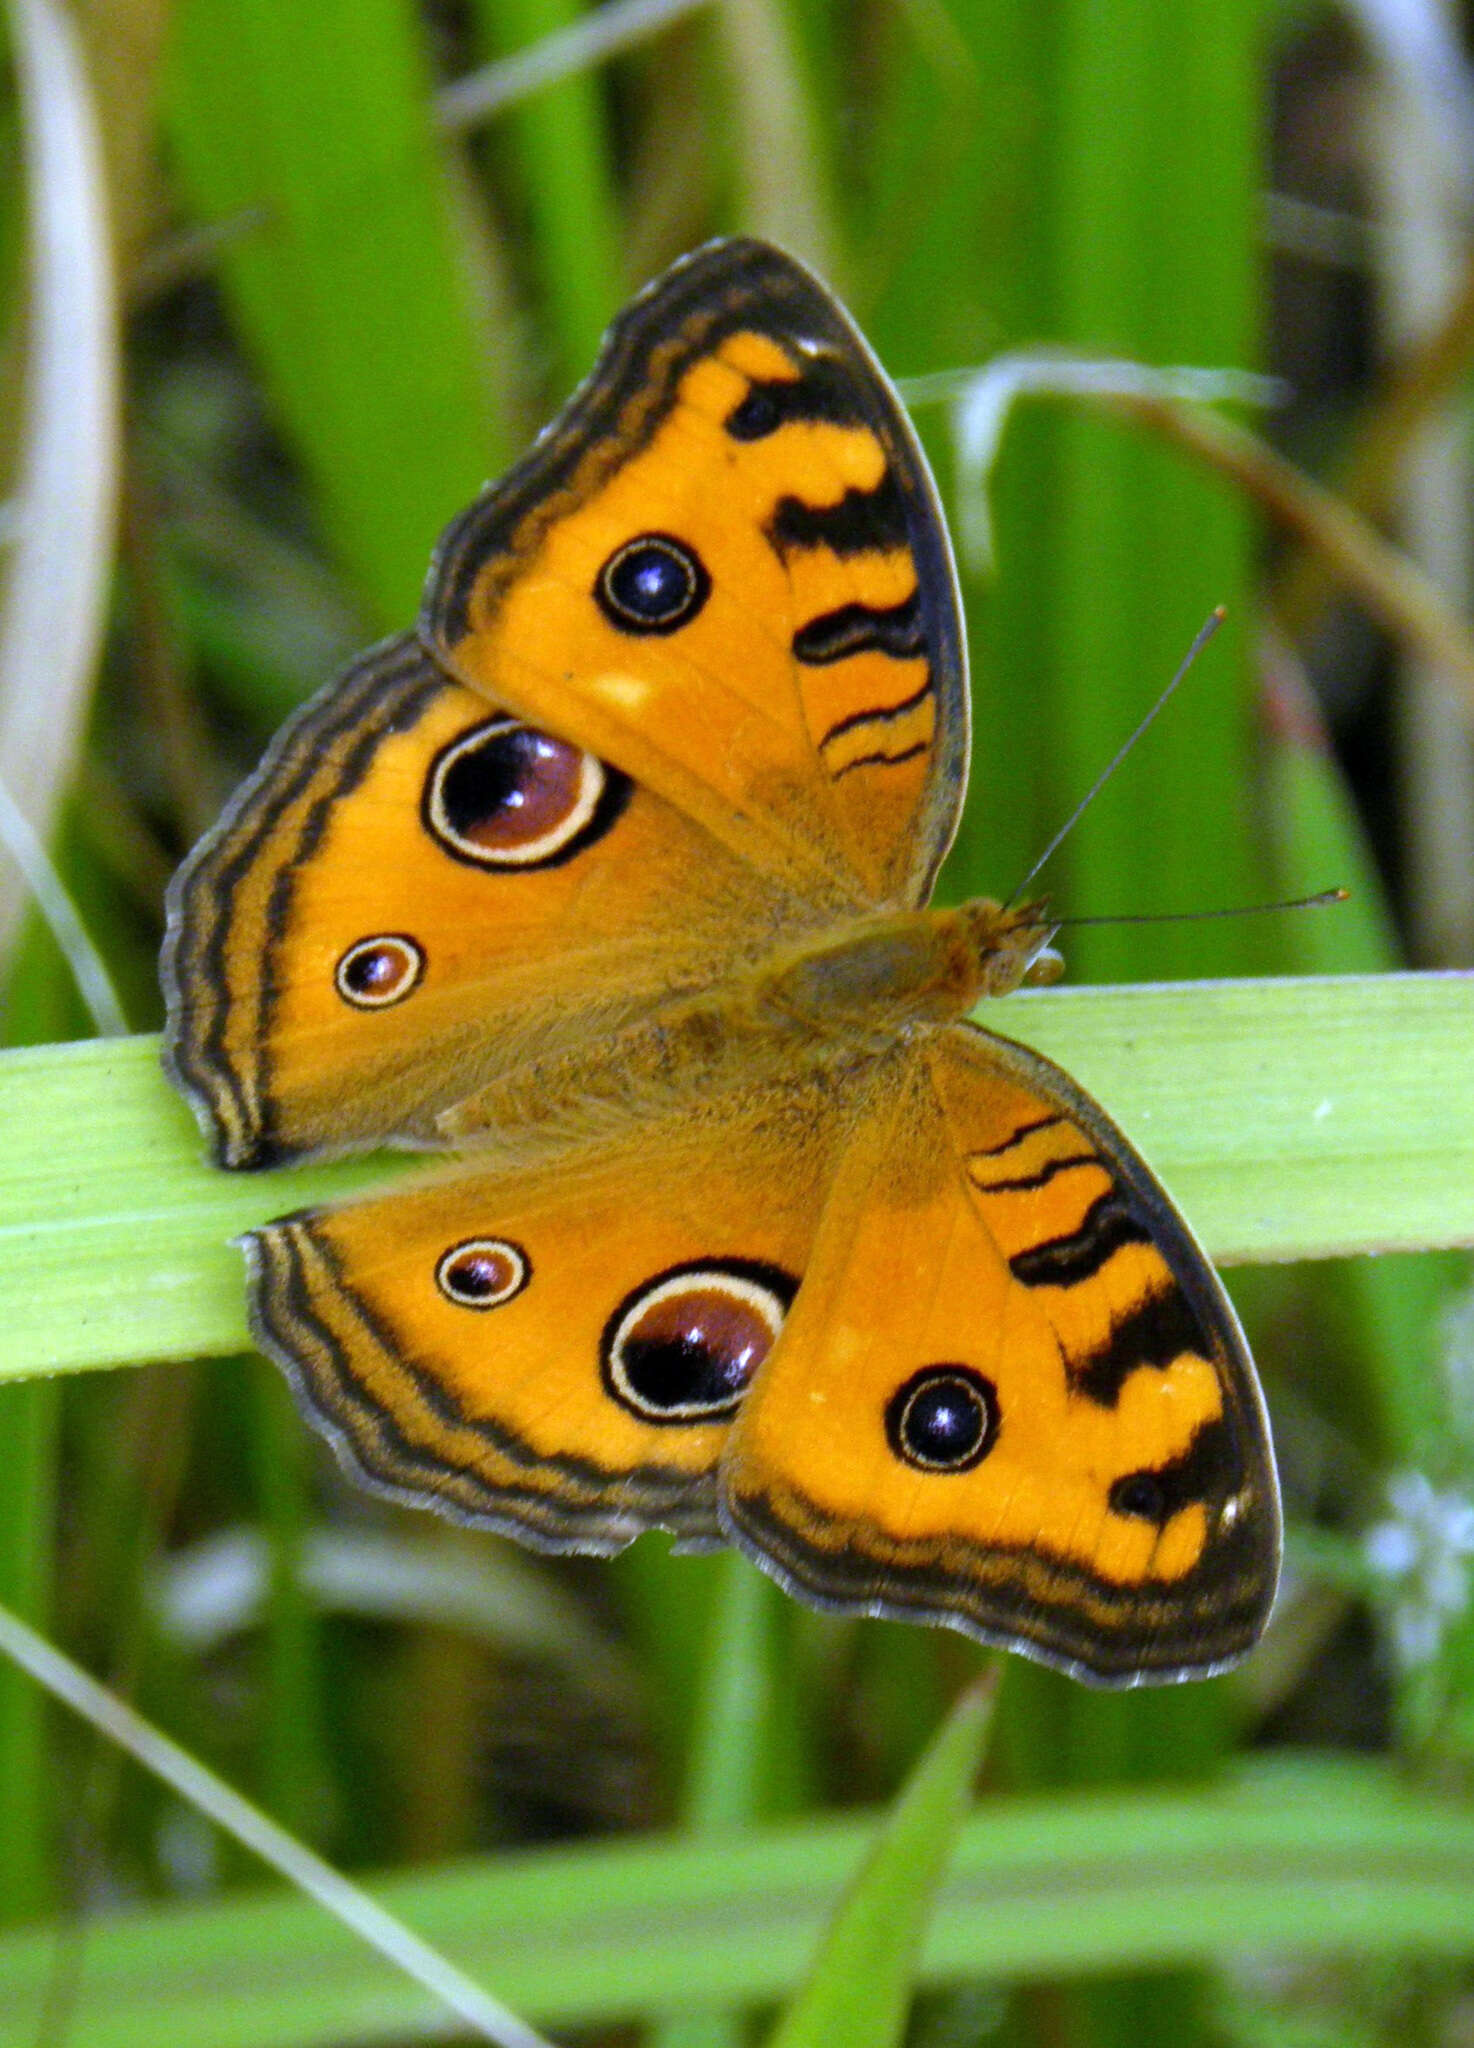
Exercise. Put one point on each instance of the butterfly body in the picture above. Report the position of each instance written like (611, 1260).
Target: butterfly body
(611, 885)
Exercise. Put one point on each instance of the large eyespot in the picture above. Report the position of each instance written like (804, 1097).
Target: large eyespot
(507, 796)
(652, 585)
(683, 1346)
(380, 971)
(944, 1419)
(482, 1272)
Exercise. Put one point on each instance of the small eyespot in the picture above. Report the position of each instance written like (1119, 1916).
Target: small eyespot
(755, 416)
(652, 584)
(1141, 1495)
(376, 973)
(944, 1419)
(482, 1272)
(504, 795)
(683, 1347)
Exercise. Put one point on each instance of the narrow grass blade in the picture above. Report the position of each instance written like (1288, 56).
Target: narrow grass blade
(56, 576)
(49, 891)
(566, 181)
(486, 2016)
(859, 1989)
(588, 40)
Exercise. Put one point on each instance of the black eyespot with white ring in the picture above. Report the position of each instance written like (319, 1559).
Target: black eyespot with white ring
(482, 1272)
(943, 1419)
(653, 584)
(683, 1346)
(378, 972)
(504, 795)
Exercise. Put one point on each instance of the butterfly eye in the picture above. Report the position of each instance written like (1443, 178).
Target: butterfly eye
(683, 1347)
(652, 585)
(483, 1272)
(944, 1419)
(380, 971)
(507, 796)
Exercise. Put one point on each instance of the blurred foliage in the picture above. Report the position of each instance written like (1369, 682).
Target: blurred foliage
(343, 310)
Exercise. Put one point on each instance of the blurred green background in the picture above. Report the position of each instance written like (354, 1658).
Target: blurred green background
(358, 256)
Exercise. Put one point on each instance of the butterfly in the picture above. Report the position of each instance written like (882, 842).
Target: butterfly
(610, 883)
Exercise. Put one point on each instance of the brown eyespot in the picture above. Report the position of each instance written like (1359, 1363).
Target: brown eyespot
(378, 972)
(482, 1272)
(505, 795)
(653, 584)
(683, 1346)
(943, 1419)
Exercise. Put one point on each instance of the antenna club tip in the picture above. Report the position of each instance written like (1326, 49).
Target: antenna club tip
(1218, 614)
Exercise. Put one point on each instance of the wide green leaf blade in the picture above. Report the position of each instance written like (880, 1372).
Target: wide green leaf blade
(1291, 1119)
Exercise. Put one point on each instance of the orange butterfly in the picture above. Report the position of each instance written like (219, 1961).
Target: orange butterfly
(611, 881)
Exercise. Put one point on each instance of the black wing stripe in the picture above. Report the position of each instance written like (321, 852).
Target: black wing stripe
(1027, 1182)
(1157, 1332)
(1109, 1223)
(1015, 1137)
(863, 522)
(876, 714)
(1208, 1469)
(883, 760)
(862, 629)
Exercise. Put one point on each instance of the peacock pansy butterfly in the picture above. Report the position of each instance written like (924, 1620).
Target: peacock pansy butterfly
(611, 882)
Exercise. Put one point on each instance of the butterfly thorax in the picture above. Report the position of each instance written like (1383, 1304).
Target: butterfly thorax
(883, 978)
(819, 1004)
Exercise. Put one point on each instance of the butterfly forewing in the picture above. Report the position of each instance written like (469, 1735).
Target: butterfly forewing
(416, 897)
(724, 568)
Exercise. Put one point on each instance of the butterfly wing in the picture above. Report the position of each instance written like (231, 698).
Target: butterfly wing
(724, 568)
(555, 1353)
(1012, 1394)
(413, 896)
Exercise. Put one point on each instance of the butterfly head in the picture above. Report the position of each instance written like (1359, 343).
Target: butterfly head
(1012, 944)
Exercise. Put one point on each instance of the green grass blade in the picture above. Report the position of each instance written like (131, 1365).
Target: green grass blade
(1292, 1119)
(349, 285)
(859, 1989)
(1387, 1389)
(566, 185)
(1321, 1859)
(486, 2017)
(729, 1746)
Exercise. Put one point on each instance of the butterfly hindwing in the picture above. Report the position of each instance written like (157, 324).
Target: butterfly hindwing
(556, 1353)
(1012, 1394)
(724, 567)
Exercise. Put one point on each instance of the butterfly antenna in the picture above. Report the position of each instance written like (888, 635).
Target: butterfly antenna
(1320, 901)
(1205, 633)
